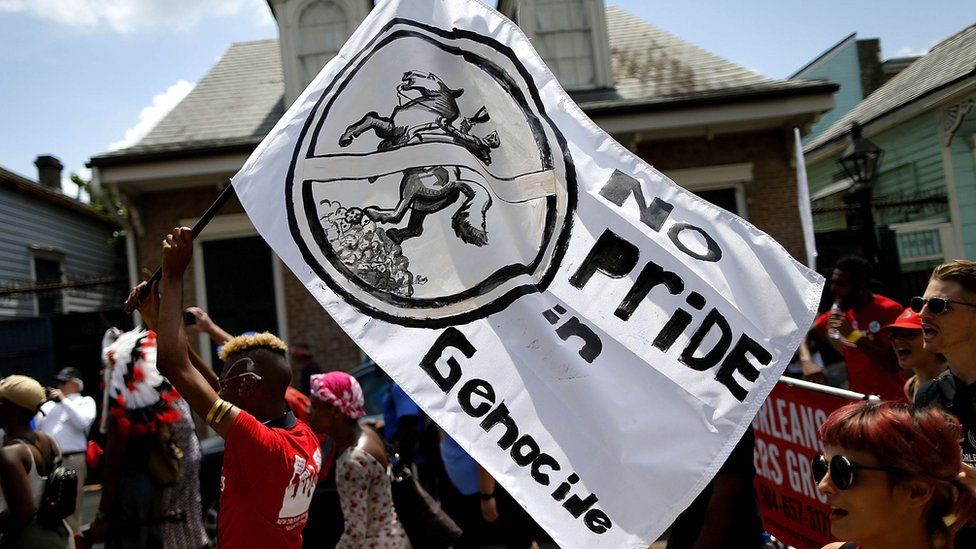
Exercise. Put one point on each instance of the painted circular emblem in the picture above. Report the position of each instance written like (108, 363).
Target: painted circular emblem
(428, 186)
(874, 326)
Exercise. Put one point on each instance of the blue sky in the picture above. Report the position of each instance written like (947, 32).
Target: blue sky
(78, 77)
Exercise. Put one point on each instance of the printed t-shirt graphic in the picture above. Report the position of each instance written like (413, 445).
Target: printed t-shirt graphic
(863, 374)
(268, 479)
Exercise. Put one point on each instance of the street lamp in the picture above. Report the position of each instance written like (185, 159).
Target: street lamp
(860, 161)
(861, 158)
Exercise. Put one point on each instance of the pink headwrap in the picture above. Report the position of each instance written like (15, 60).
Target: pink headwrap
(340, 390)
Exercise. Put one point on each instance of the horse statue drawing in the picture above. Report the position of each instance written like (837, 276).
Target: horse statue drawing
(427, 113)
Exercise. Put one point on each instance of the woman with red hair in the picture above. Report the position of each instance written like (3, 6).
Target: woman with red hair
(890, 474)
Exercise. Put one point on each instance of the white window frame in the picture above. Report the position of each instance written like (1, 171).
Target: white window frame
(288, 33)
(951, 248)
(329, 54)
(717, 177)
(599, 40)
(226, 227)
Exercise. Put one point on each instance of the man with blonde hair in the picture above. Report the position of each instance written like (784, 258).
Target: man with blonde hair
(948, 314)
(271, 460)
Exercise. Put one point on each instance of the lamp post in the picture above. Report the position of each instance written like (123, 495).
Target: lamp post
(860, 161)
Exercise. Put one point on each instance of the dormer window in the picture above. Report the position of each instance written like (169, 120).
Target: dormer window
(571, 37)
(323, 27)
(311, 33)
(564, 39)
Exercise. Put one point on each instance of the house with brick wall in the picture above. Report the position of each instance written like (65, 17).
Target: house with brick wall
(716, 128)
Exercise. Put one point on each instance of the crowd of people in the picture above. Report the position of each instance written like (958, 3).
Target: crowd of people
(301, 467)
(898, 470)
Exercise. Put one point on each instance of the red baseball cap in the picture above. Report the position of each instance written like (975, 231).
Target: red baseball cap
(908, 319)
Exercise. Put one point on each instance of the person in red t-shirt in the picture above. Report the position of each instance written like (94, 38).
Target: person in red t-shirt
(271, 460)
(872, 366)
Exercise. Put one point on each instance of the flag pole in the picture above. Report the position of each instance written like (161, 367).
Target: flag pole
(826, 389)
(803, 196)
(197, 228)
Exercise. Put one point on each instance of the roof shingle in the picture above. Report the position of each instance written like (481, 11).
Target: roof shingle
(238, 101)
(242, 97)
(23, 185)
(951, 60)
(649, 62)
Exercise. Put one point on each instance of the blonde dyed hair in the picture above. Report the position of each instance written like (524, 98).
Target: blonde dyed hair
(241, 343)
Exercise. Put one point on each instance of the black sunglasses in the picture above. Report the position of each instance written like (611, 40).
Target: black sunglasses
(937, 305)
(841, 470)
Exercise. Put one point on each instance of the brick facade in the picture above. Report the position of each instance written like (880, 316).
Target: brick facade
(771, 196)
(308, 321)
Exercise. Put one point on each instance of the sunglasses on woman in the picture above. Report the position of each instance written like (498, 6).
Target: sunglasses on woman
(841, 470)
(937, 305)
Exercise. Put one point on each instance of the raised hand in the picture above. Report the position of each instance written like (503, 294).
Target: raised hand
(203, 324)
(177, 252)
(135, 298)
(146, 300)
(839, 322)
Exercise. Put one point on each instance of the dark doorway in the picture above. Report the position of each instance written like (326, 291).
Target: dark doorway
(723, 198)
(48, 271)
(240, 287)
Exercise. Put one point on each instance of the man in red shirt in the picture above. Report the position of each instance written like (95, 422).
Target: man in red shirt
(872, 367)
(271, 460)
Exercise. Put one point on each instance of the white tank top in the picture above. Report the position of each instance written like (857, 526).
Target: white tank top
(36, 482)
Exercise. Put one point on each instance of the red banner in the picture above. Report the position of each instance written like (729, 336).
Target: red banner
(786, 441)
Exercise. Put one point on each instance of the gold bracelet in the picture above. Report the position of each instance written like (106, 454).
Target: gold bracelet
(224, 405)
(223, 412)
(220, 416)
(855, 335)
(213, 410)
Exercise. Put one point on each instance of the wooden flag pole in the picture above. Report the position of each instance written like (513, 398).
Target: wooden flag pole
(197, 228)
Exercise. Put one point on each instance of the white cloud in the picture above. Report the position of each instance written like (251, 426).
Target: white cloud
(127, 16)
(909, 51)
(162, 103)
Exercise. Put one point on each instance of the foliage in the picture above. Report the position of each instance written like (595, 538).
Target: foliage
(105, 202)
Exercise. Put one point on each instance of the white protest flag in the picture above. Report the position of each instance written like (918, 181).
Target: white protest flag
(595, 336)
(803, 199)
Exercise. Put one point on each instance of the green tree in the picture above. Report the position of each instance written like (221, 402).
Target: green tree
(105, 202)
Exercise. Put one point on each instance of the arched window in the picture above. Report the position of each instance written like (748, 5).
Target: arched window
(564, 39)
(322, 29)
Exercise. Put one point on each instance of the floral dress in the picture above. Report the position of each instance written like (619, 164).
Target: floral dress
(185, 495)
(367, 506)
